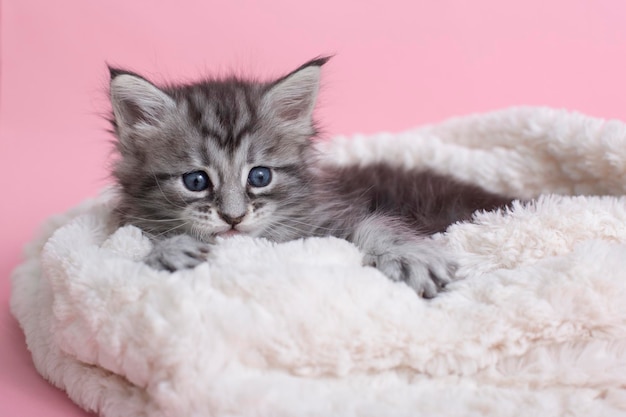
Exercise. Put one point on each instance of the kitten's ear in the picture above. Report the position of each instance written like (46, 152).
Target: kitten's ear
(292, 98)
(135, 100)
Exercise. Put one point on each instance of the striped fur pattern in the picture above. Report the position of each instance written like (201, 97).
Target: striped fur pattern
(222, 132)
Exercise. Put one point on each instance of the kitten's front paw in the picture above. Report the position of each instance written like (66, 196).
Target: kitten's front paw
(422, 266)
(177, 252)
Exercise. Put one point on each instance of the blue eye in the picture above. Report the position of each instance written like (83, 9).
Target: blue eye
(259, 177)
(196, 181)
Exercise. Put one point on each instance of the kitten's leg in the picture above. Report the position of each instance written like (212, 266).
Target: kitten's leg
(403, 256)
(177, 252)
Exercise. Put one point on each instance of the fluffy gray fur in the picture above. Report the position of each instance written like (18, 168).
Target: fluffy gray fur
(225, 128)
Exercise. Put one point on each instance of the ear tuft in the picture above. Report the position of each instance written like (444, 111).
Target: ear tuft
(114, 72)
(135, 100)
(315, 62)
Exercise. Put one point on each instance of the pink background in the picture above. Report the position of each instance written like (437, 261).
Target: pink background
(397, 64)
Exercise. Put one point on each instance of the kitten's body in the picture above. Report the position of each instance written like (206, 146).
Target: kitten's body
(233, 135)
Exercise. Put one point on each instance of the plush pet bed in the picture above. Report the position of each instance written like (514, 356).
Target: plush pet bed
(537, 327)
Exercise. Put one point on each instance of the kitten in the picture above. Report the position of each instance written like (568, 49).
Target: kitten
(224, 157)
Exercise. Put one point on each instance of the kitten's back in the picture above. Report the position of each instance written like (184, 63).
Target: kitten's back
(427, 201)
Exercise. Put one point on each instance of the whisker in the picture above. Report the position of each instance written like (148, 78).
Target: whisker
(297, 232)
(271, 233)
(276, 225)
(200, 233)
(169, 230)
(314, 226)
(172, 219)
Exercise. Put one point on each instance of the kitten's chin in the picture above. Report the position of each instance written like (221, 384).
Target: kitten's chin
(238, 231)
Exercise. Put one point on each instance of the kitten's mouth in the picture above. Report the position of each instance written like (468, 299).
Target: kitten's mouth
(229, 233)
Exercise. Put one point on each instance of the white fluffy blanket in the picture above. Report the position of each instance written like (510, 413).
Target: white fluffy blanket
(537, 327)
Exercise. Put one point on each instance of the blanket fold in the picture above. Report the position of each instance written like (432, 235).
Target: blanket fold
(536, 327)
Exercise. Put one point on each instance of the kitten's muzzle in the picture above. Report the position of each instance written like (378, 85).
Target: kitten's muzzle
(233, 221)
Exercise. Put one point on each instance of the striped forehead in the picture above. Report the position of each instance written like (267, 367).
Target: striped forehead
(221, 113)
(224, 165)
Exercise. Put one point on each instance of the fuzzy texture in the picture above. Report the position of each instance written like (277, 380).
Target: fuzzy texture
(537, 327)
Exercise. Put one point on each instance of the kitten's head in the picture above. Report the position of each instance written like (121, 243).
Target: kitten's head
(213, 157)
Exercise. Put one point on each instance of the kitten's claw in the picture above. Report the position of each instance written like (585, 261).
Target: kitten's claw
(419, 264)
(177, 252)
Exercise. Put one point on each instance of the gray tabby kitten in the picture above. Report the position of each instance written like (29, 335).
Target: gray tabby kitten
(225, 157)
